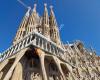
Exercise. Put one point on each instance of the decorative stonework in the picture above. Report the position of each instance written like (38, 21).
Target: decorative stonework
(38, 54)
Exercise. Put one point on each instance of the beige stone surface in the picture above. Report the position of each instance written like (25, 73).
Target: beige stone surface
(77, 63)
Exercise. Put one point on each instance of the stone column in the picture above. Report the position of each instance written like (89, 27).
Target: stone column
(59, 67)
(71, 75)
(1, 73)
(18, 57)
(3, 64)
(42, 56)
(18, 73)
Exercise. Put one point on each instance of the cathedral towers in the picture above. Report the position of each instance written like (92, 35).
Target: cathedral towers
(22, 28)
(45, 25)
(54, 31)
(33, 21)
(45, 22)
(37, 57)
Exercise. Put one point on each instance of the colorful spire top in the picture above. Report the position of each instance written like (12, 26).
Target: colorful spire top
(51, 7)
(28, 12)
(45, 8)
(51, 11)
(34, 9)
(45, 4)
(53, 21)
(45, 15)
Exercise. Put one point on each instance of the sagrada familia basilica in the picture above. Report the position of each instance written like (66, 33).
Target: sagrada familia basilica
(37, 53)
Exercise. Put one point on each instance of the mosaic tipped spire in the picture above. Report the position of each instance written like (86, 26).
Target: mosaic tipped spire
(34, 9)
(28, 12)
(45, 15)
(22, 28)
(52, 17)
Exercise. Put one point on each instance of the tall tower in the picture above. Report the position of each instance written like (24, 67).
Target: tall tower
(33, 21)
(54, 31)
(38, 58)
(22, 28)
(45, 23)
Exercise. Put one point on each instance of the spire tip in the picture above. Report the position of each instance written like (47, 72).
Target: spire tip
(28, 12)
(29, 8)
(35, 5)
(45, 4)
(34, 9)
(51, 7)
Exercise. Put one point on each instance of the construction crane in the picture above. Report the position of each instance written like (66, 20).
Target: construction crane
(22, 3)
(25, 5)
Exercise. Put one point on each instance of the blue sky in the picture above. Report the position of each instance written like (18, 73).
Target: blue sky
(80, 20)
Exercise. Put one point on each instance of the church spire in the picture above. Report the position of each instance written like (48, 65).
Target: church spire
(33, 20)
(34, 9)
(45, 22)
(21, 31)
(52, 17)
(28, 12)
(45, 15)
(54, 31)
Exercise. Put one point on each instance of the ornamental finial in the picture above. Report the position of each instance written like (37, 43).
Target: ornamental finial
(34, 9)
(28, 12)
(45, 4)
(51, 7)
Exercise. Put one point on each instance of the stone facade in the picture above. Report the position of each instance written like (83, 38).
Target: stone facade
(31, 63)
